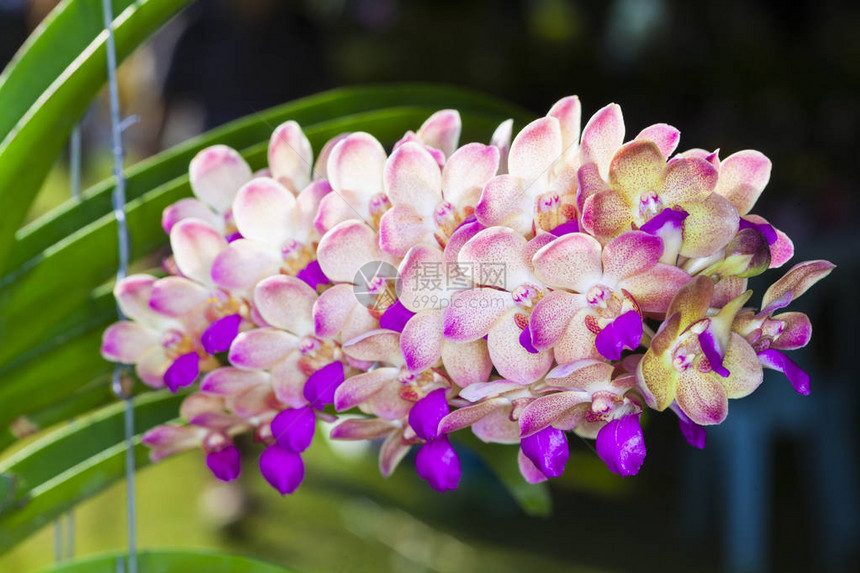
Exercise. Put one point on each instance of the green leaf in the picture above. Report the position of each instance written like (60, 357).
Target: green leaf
(72, 463)
(534, 499)
(170, 561)
(54, 102)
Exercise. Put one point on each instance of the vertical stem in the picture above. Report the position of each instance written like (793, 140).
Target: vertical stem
(122, 271)
(75, 161)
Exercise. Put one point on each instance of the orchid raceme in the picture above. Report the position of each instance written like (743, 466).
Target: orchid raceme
(558, 280)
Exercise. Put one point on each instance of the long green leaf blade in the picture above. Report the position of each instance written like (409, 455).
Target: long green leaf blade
(30, 148)
(170, 562)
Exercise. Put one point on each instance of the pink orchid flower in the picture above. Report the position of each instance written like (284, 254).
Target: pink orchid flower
(597, 289)
(500, 305)
(696, 359)
(428, 205)
(770, 334)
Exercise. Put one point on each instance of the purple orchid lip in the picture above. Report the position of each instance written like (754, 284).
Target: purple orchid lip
(438, 464)
(293, 428)
(767, 231)
(313, 275)
(692, 432)
(796, 375)
(425, 415)
(225, 464)
(234, 237)
(668, 216)
(709, 347)
(395, 317)
(621, 445)
(321, 385)
(566, 228)
(183, 372)
(547, 450)
(221, 333)
(623, 332)
(526, 340)
(283, 469)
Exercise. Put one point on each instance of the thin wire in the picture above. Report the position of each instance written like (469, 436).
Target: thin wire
(122, 271)
(58, 540)
(75, 161)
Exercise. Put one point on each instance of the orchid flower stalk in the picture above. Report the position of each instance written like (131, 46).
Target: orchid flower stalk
(559, 280)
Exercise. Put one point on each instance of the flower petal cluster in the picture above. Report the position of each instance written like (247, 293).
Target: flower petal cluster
(555, 281)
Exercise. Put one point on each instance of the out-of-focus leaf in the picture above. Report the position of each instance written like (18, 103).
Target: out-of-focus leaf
(48, 99)
(72, 463)
(170, 562)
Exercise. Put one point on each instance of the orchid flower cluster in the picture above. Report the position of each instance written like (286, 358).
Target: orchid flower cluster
(560, 281)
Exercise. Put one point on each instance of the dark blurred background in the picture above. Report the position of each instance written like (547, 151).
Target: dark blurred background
(777, 487)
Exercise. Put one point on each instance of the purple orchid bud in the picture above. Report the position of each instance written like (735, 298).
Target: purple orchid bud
(623, 332)
(293, 428)
(220, 334)
(395, 317)
(776, 360)
(183, 372)
(526, 340)
(547, 450)
(225, 463)
(671, 217)
(425, 415)
(313, 275)
(621, 445)
(284, 470)
(320, 387)
(438, 464)
(692, 432)
(709, 347)
(766, 231)
(566, 228)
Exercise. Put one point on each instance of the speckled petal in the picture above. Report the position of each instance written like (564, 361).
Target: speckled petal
(544, 411)
(657, 379)
(796, 333)
(261, 348)
(535, 149)
(263, 211)
(473, 313)
(572, 261)
(346, 248)
(190, 207)
(630, 254)
(743, 176)
(606, 214)
(288, 381)
(290, 156)
(711, 224)
(195, 245)
(512, 361)
(243, 264)
(653, 289)
(356, 164)
(286, 303)
(602, 136)
(796, 281)
(692, 301)
(401, 228)
(550, 317)
(441, 131)
(636, 168)
(504, 202)
(664, 135)
(745, 374)
(338, 311)
(687, 179)
(175, 296)
(467, 362)
(467, 171)
(216, 174)
(568, 112)
(701, 396)
(128, 342)
(377, 345)
(497, 248)
(421, 340)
